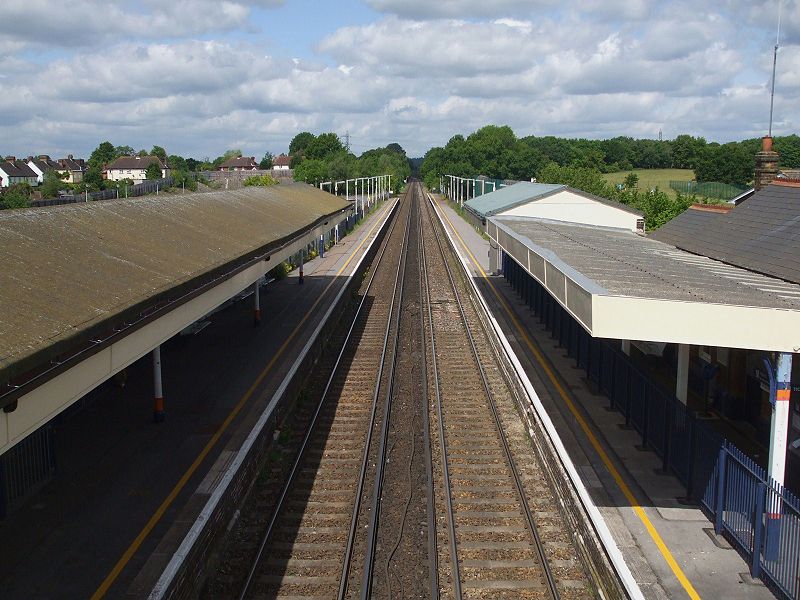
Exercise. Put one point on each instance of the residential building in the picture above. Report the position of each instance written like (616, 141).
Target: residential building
(14, 171)
(73, 167)
(281, 163)
(133, 168)
(41, 165)
(240, 163)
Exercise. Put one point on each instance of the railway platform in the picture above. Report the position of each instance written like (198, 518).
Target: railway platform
(669, 546)
(126, 489)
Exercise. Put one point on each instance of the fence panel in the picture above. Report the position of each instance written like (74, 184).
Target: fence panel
(638, 399)
(657, 404)
(680, 443)
(780, 560)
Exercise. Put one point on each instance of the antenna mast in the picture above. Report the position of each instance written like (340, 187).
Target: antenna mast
(774, 66)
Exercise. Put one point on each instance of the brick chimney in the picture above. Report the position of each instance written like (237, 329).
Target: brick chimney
(766, 164)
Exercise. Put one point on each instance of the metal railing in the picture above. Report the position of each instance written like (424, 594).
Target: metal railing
(708, 189)
(759, 517)
(140, 189)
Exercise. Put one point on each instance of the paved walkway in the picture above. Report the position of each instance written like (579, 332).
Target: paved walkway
(116, 469)
(669, 547)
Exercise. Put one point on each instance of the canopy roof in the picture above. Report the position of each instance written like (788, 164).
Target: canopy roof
(71, 272)
(619, 284)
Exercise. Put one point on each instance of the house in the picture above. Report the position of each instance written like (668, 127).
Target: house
(73, 167)
(553, 202)
(281, 163)
(240, 163)
(41, 165)
(133, 168)
(14, 171)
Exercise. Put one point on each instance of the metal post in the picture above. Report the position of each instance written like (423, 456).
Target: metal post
(720, 505)
(256, 304)
(778, 434)
(336, 234)
(322, 246)
(682, 376)
(758, 533)
(158, 390)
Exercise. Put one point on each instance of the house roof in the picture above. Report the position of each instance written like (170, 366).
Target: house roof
(71, 272)
(510, 196)
(622, 285)
(72, 164)
(16, 169)
(135, 162)
(761, 235)
(518, 194)
(45, 164)
(239, 162)
(282, 161)
(691, 223)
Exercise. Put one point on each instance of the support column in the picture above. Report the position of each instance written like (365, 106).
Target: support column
(336, 234)
(682, 377)
(158, 390)
(302, 260)
(778, 439)
(493, 256)
(256, 304)
(322, 246)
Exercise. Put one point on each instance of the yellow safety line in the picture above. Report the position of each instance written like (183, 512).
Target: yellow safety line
(587, 429)
(137, 542)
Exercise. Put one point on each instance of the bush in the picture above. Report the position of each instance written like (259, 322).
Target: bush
(260, 180)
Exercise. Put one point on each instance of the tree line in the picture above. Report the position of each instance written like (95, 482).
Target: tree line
(323, 157)
(496, 152)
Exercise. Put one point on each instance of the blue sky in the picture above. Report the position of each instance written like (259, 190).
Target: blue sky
(199, 77)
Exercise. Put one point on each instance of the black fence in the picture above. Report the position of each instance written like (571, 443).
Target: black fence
(140, 189)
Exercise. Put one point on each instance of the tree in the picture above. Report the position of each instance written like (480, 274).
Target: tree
(323, 146)
(730, 163)
(311, 171)
(52, 183)
(159, 152)
(17, 195)
(102, 155)
(177, 163)
(153, 171)
(631, 181)
(92, 179)
(123, 151)
(182, 179)
(300, 142)
(266, 162)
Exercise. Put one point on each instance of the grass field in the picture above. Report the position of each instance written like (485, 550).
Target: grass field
(650, 178)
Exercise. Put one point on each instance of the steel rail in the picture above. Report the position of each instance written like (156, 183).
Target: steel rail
(301, 454)
(365, 459)
(433, 555)
(451, 526)
(380, 461)
(493, 406)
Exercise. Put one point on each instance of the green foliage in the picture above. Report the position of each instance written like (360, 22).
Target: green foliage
(17, 195)
(280, 271)
(323, 146)
(92, 179)
(102, 155)
(123, 151)
(52, 183)
(300, 142)
(631, 181)
(311, 171)
(153, 171)
(228, 154)
(730, 163)
(177, 163)
(266, 162)
(184, 180)
(159, 152)
(260, 180)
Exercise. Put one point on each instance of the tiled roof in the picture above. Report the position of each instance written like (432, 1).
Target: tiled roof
(17, 169)
(240, 162)
(762, 234)
(282, 161)
(135, 162)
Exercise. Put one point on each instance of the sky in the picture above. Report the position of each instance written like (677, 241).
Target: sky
(199, 77)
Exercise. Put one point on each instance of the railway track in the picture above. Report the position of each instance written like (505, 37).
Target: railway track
(493, 543)
(414, 475)
(308, 546)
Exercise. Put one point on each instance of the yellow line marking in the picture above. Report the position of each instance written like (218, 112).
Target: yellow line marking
(137, 542)
(587, 429)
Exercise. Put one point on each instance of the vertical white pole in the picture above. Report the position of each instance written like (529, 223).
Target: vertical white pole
(626, 347)
(682, 378)
(256, 304)
(158, 390)
(779, 426)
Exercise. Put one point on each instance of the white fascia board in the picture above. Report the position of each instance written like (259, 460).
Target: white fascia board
(697, 323)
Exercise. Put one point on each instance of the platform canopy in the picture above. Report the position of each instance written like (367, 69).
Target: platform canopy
(73, 273)
(619, 284)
